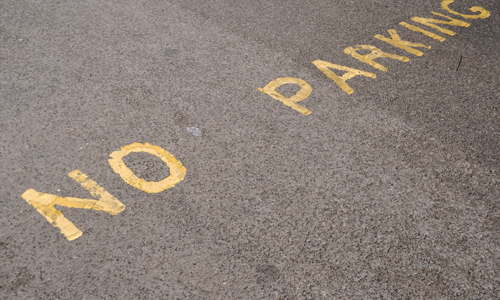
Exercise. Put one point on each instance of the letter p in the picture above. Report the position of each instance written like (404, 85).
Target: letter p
(304, 92)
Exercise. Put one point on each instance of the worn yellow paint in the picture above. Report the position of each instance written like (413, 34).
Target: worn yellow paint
(113, 206)
(396, 41)
(44, 204)
(483, 13)
(375, 53)
(327, 68)
(304, 92)
(427, 33)
(431, 23)
(177, 170)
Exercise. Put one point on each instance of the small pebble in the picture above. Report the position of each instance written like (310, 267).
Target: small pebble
(194, 130)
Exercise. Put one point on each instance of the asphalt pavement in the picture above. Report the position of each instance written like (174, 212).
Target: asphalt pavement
(221, 149)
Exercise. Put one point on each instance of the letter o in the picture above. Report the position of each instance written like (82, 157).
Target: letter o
(177, 170)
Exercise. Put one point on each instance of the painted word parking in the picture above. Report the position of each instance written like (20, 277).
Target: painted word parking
(394, 40)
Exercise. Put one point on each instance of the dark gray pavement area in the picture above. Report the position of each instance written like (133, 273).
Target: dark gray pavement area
(391, 192)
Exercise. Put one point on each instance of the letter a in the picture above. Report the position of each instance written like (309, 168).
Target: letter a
(327, 68)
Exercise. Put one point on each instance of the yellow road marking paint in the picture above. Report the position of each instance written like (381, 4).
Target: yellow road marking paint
(427, 33)
(483, 13)
(97, 191)
(431, 23)
(177, 170)
(44, 204)
(375, 53)
(396, 41)
(304, 92)
(327, 68)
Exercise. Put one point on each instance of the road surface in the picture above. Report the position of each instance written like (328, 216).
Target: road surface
(220, 149)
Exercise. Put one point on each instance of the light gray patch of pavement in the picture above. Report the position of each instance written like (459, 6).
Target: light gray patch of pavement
(389, 192)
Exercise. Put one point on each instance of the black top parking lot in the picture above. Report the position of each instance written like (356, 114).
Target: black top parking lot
(250, 149)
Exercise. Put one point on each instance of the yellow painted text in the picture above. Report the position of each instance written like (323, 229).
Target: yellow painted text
(483, 13)
(44, 204)
(327, 68)
(418, 29)
(396, 41)
(431, 23)
(375, 53)
(304, 92)
(177, 170)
